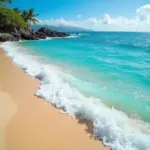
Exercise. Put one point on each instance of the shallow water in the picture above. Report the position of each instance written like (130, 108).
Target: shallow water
(103, 76)
(116, 67)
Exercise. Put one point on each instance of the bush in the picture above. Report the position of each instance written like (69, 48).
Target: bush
(9, 19)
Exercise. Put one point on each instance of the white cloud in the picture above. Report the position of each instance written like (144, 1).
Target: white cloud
(107, 19)
(141, 22)
(143, 13)
(58, 22)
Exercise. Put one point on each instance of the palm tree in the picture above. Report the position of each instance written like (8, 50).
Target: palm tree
(17, 11)
(24, 15)
(31, 17)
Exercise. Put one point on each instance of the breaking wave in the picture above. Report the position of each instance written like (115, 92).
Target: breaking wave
(111, 126)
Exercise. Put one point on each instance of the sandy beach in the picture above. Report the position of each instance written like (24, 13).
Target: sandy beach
(29, 123)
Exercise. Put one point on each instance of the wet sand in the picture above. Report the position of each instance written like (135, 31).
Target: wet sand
(29, 123)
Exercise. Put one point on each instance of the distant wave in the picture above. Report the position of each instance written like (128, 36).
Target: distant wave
(71, 36)
(49, 38)
(75, 35)
(84, 34)
(113, 127)
(132, 45)
(52, 38)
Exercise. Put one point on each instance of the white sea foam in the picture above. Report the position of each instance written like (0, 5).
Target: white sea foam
(77, 35)
(73, 36)
(84, 34)
(49, 38)
(112, 126)
(52, 38)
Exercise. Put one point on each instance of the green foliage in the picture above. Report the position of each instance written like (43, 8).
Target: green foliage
(9, 19)
(31, 16)
(17, 11)
(24, 15)
(15, 18)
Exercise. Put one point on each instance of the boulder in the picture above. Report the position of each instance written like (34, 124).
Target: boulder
(16, 35)
(50, 33)
(28, 35)
(6, 37)
(40, 35)
(25, 34)
(44, 30)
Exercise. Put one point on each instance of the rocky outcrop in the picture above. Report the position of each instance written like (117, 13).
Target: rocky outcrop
(17, 36)
(27, 35)
(45, 32)
(42, 33)
(6, 37)
(50, 33)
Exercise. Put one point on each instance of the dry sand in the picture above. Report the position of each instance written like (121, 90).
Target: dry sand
(29, 123)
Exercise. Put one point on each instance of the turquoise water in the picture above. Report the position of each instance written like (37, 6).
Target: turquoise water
(115, 67)
(100, 76)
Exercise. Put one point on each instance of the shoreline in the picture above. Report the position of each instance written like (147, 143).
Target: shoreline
(32, 123)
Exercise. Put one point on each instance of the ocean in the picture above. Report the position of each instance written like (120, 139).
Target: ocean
(100, 76)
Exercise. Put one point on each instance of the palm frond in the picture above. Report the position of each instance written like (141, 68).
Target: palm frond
(17, 10)
(31, 16)
(35, 21)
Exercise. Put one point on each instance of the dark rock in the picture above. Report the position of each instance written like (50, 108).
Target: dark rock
(6, 37)
(15, 30)
(16, 35)
(50, 33)
(28, 35)
(40, 35)
(25, 34)
(43, 30)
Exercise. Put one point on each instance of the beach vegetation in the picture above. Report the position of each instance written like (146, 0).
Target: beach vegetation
(17, 11)
(9, 19)
(24, 15)
(31, 16)
(15, 18)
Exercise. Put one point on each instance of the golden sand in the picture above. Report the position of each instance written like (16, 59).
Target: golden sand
(29, 123)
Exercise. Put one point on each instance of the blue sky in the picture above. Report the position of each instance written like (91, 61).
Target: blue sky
(81, 10)
(68, 9)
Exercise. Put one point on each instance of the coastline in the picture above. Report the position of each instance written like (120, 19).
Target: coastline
(30, 123)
